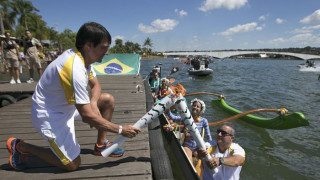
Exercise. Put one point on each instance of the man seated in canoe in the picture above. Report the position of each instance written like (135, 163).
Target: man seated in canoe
(228, 156)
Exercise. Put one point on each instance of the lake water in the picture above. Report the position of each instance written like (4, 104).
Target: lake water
(250, 84)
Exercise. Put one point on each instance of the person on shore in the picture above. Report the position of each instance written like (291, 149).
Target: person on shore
(189, 144)
(61, 97)
(10, 50)
(32, 55)
(227, 156)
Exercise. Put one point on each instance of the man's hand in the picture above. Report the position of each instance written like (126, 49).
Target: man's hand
(201, 153)
(213, 162)
(130, 131)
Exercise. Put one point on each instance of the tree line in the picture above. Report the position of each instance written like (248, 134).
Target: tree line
(16, 16)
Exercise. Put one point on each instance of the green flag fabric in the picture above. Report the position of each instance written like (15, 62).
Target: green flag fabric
(118, 64)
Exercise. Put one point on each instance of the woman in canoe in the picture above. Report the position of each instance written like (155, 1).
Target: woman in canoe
(163, 90)
(189, 144)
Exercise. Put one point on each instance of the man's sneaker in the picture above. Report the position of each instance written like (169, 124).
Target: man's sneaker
(98, 149)
(12, 81)
(18, 81)
(30, 80)
(17, 160)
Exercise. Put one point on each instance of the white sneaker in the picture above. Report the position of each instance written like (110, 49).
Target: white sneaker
(18, 81)
(30, 80)
(12, 81)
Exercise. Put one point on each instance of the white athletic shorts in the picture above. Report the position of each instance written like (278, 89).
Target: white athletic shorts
(61, 139)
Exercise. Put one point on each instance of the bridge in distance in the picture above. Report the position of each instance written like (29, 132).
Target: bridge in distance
(227, 54)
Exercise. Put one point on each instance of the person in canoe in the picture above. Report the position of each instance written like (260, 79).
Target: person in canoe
(61, 97)
(163, 90)
(155, 83)
(228, 156)
(189, 144)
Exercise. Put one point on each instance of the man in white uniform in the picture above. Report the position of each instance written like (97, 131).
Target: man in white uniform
(226, 155)
(61, 97)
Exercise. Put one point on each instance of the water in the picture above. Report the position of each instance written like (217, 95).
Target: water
(251, 84)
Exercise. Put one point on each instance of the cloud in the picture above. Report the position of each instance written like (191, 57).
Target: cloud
(158, 25)
(262, 18)
(300, 39)
(226, 4)
(195, 38)
(313, 18)
(260, 27)
(279, 21)
(117, 37)
(306, 29)
(181, 13)
(240, 29)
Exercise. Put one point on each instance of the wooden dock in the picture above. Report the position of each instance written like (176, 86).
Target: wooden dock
(130, 106)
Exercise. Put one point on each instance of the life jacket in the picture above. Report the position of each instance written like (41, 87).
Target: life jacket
(8, 46)
(29, 43)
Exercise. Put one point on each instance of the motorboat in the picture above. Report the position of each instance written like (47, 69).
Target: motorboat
(200, 69)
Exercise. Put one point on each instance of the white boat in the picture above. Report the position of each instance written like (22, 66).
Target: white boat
(309, 66)
(202, 70)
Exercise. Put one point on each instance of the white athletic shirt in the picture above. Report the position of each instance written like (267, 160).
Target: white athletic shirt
(225, 172)
(62, 85)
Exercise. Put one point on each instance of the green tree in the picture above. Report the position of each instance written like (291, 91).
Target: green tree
(66, 40)
(23, 10)
(148, 44)
(131, 47)
(7, 16)
(118, 47)
(37, 26)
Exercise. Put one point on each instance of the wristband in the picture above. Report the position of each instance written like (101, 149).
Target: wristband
(120, 129)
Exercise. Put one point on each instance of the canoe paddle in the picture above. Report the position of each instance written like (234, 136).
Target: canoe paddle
(281, 111)
(209, 93)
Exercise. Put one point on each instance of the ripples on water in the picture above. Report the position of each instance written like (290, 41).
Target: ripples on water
(251, 84)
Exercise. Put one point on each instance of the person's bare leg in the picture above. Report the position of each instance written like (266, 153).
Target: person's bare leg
(106, 107)
(48, 156)
(31, 71)
(11, 72)
(39, 72)
(17, 73)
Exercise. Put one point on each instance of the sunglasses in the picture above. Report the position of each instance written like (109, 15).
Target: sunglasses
(223, 133)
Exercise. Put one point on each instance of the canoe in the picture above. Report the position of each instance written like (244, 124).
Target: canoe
(286, 121)
(184, 169)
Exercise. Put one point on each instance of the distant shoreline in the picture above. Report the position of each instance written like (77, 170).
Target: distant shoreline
(153, 57)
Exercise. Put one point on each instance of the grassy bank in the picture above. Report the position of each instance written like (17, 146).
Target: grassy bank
(153, 57)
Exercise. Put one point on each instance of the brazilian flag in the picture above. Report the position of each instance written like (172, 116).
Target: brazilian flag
(118, 64)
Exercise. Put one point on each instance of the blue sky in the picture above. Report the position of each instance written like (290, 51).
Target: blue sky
(194, 24)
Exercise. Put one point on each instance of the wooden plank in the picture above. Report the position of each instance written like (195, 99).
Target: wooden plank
(130, 105)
